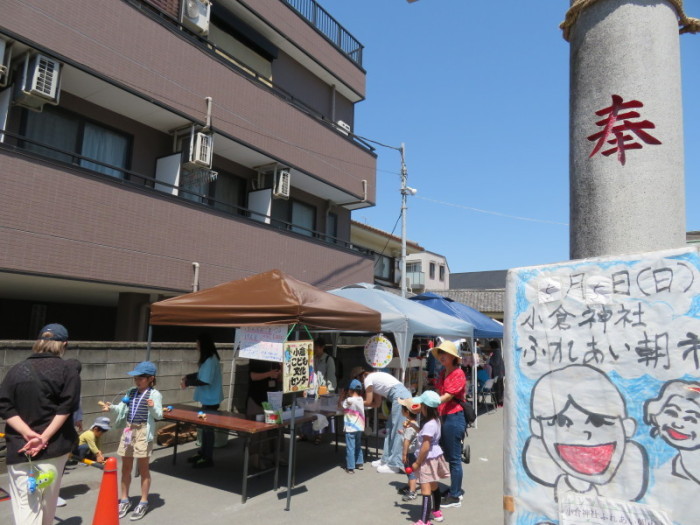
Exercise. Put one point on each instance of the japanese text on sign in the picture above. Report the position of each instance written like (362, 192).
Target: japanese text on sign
(261, 342)
(296, 365)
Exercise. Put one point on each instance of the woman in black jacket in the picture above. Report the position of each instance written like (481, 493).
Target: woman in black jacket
(37, 399)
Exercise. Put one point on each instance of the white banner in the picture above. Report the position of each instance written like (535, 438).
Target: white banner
(603, 393)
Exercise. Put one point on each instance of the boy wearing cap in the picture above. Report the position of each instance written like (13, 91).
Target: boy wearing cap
(89, 441)
(354, 408)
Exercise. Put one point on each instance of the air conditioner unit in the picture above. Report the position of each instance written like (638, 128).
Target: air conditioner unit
(282, 185)
(38, 82)
(343, 127)
(195, 16)
(5, 58)
(201, 150)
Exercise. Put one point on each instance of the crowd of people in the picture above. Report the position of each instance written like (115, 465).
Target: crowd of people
(40, 402)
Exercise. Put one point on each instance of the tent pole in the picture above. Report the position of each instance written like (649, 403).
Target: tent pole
(150, 340)
(232, 376)
(475, 357)
(291, 467)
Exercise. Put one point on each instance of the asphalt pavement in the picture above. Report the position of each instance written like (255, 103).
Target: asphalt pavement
(324, 493)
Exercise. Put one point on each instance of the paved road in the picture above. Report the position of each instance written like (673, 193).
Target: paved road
(325, 494)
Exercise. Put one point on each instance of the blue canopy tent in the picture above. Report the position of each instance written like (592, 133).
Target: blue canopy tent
(484, 326)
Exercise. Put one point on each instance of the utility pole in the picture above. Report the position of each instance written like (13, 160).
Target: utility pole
(404, 194)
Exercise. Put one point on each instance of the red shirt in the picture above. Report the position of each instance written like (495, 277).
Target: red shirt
(455, 384)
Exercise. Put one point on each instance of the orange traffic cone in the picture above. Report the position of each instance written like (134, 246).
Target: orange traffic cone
(107, 509)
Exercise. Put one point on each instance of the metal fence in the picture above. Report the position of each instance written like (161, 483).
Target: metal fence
(329, 27)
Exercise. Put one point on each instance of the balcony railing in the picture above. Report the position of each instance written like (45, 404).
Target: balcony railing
(329, 27)
(10, 141)
(416, 279)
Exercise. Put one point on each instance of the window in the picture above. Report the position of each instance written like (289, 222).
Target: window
(412, 267)
(303, 218)
(229, 193)
(383, 267)
(72, 133)
(432, 270)
(442, 272)
(294, 215)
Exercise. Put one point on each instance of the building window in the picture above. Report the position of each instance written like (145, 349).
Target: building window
(294, 215)
(432, 270)
(442, 272)
(413, 267)
(383, 267)
(303, 218)
(229, 193)
(72, 133)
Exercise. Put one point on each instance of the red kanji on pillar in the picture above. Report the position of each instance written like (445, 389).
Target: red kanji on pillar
(616, 125)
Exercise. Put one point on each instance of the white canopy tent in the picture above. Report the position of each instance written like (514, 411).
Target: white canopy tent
(405, 318)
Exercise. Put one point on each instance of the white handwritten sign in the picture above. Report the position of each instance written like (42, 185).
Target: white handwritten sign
(296, 365)
(603, 390)
(378, 351)
(261, 342)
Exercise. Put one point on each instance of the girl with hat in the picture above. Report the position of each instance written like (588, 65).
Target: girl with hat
(451, 385)
(136, 415)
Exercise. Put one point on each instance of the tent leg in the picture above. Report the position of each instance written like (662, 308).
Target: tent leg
(148, 344)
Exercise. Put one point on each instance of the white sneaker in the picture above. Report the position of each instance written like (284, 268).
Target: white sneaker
(386, 469)
(377, 463)
(60, 502)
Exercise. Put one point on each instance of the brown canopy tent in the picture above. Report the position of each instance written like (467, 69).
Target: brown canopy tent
(266, 298)
(269, 298)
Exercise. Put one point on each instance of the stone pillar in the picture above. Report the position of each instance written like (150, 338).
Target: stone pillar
(631, 200)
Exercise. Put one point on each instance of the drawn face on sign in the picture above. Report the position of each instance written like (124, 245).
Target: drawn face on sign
(582, 422)
(675, 415)
(584, 444)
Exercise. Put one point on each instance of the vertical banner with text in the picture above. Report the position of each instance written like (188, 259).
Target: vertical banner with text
(603, 390)
(295, 377)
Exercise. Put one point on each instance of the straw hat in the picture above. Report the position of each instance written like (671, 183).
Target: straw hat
(448, 347)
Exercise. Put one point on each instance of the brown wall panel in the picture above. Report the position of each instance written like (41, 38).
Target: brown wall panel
(57, 222)
(140, 53)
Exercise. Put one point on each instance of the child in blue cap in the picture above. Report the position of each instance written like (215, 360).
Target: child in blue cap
(136, 415)
(354, 408)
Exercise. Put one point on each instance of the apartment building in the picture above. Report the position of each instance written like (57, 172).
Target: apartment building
(149, 148)
(427, 271)
(386, 249)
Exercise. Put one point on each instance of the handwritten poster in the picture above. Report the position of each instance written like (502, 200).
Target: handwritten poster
(603, 390)
(378, 351)
(261, 342)
(296, 365)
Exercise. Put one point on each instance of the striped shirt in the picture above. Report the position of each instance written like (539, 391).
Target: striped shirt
(138, 406)
(354, 408)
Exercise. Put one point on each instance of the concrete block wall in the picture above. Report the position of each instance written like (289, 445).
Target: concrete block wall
(104, 374)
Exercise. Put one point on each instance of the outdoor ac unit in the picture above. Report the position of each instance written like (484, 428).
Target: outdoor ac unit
(282, 185)
(5, 58)
(38, 82)
(343, 127)
(201, 150)
(195, 16)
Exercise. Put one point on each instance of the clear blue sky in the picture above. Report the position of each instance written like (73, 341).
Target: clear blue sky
(479, 93)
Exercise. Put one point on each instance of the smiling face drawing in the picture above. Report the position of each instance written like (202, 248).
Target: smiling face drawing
(584, 444)
(679, 423)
